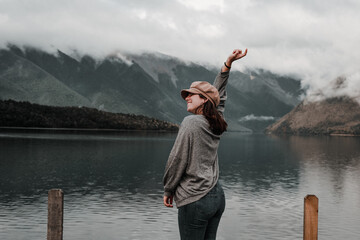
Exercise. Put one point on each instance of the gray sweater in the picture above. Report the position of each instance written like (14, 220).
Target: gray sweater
(192, 169)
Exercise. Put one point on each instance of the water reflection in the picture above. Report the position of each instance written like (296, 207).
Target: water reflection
(334, 159)
(257, 162)
(113, 190)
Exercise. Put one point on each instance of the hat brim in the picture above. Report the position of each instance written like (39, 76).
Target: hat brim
(185, 92)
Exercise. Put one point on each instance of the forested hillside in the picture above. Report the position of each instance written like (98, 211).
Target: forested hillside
(25, 114)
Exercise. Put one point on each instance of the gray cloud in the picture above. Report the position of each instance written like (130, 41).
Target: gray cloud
(316, 40)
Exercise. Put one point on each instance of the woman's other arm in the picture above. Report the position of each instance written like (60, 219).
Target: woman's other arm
(177, 161)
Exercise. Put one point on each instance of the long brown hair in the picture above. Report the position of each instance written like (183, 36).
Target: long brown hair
(217, 123)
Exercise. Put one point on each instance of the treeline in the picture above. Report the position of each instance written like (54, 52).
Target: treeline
(25, 114)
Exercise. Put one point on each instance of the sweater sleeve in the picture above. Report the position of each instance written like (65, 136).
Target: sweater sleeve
(220, 83)
(178, 159)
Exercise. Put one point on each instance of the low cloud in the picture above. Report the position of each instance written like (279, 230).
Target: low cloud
(317, 41)
(252, 117)
(341, 86)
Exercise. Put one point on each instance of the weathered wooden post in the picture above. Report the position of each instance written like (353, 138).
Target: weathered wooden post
(311, 209)
(55, 214)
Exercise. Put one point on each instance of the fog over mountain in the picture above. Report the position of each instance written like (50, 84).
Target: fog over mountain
(146, 84)
(316, 41)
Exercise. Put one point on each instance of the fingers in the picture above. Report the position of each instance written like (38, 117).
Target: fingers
(239, 54)
(237, 51)
(168, 201)
(245, 52)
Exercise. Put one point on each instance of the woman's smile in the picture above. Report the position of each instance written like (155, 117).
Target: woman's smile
(193, 102)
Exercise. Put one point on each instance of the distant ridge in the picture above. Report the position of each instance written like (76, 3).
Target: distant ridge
(333, 116)
(142, 84)
(25, 114)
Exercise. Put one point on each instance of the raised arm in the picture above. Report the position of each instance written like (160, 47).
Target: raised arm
(222, 78)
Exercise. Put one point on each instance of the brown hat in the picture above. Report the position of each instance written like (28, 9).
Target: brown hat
(205, 89)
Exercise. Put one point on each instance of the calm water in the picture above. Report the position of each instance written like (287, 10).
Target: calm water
(113, 190)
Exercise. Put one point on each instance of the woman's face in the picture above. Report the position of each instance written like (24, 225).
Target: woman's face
(193, 102)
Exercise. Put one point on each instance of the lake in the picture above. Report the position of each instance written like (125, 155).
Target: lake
(112, 183)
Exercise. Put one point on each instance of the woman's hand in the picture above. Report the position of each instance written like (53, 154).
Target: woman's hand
(168, 200)
(235, 55)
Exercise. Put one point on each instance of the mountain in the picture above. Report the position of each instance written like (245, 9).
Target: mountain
(332, 116)
(146, 84)
(21, 79)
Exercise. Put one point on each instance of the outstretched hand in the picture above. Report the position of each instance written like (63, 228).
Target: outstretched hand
(235, 55)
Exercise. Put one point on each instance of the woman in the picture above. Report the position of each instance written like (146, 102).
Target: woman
(192, 171)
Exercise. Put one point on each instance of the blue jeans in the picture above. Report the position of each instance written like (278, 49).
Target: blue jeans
(200, 220)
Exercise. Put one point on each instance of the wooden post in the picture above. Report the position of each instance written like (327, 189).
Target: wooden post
(311, 209)
(55, 214)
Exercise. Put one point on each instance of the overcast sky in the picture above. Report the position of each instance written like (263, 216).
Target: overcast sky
(316, 40)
